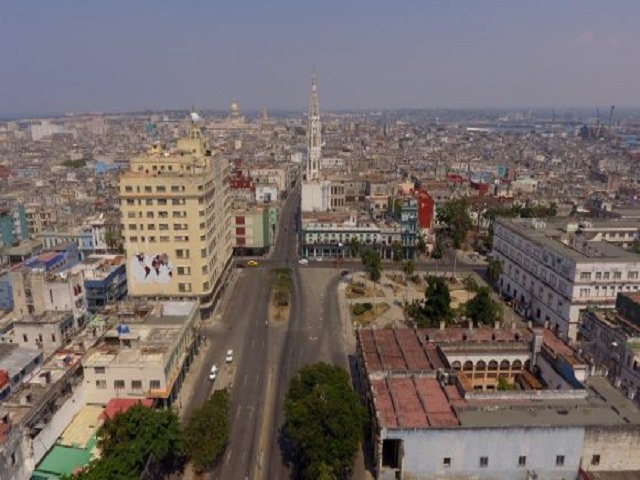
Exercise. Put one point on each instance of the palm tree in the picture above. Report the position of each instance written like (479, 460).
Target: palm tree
(354, 247)
(397, 252)
(470, 284)
(494, 271)
(408, 267)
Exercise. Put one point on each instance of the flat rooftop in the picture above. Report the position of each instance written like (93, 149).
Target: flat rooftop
(574, 247)
(14, 358)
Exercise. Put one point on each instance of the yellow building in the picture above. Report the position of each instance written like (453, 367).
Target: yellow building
(176, 223)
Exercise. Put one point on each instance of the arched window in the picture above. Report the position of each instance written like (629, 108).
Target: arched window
(493, 365)
(527, 364)
(468, 366)
(456, 366)
(516, 365)
(504, 365)
(481, 365)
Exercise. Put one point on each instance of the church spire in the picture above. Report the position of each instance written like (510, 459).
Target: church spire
(313, 133)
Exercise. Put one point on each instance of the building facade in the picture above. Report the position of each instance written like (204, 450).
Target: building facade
(176, 223)
(253, 232)
(552, 276)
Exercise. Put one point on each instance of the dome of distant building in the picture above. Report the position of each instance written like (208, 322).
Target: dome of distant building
(235, 110)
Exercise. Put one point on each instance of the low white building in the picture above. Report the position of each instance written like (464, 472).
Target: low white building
(267, 193)
(146, 355)
(553, 275)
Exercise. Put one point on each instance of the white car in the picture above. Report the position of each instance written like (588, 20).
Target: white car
(229, 357)
(318, 259)
(213, 374)
(303, 261)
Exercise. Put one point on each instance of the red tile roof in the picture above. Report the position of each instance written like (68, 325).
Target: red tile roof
(117, 405)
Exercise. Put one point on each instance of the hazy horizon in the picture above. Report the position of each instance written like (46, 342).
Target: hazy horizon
(122, 56)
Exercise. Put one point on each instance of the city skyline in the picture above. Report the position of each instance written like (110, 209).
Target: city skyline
(114, 57)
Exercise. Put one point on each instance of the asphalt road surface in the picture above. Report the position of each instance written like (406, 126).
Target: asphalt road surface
(267, 357)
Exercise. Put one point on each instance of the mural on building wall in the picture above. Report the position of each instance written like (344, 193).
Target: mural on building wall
(151, 268)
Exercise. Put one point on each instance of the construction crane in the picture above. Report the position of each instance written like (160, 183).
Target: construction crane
(611, 116)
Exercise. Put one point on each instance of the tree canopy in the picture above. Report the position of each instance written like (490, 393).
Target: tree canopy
(494, 270)
(133, 438)
(397, 252)
(373, 264)
(455, 214)
(435, 308)
(207, 431)
(324, 422)
(482, 309)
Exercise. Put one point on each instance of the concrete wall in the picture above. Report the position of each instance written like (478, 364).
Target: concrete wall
(96, 394)
(617, 447)
(425, 451)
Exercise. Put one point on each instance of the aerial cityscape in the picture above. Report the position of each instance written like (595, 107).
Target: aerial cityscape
(351, 241)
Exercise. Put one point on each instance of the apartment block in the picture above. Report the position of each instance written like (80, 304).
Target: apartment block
(552, 275)
(146, 355)
(105, 279)
(253, 232)
(176, 222)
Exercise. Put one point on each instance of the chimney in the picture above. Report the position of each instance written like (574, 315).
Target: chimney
(442, 324)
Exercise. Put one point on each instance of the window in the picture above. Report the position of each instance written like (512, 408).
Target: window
(133, 226)
(522, 461)
(163, 226)
(136, 384)
(147, 189)
(25, 339)
(151, 226)
(99, 370)
(53, 337)
(148, 201)
(595, 460)
(149, 214)
(632, 275)
(101, 384)
(617, 275)
(154, 384)
(585, 276)
(184, 287)
(203, 253)
(184, 270)
(484, 462)
(182, 253)
(175, 188)
(559, 460)
(162, 201)
(118, 384)
(130, 201)
(133, 239)
(598, 275)
(131, 214)
(605, 275)
(161, 188)
(128, 188)
(446, 462)
(164, 239)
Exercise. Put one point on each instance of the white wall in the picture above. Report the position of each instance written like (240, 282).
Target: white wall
(425, 450)
(113, 372)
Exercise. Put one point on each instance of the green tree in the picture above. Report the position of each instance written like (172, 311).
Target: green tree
(113, 239)
(455, 214)
(470, 283)
(130, 439)
(409, 268)
(397, 252)
(207, 431)
(437, 305)
(482, 309)
(494, 270)
(373, 264)
(354, 247)
(421, 246)
(324, 422)
(281, 285)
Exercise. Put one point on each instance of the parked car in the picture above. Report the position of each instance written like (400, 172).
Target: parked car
(252, 263)
(303, 261)
(229, 357)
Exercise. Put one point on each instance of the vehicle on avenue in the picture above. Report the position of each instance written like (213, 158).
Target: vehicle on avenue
(229, 357)
(252, 263)
(318, 259)
(303, 261)
(213, 374)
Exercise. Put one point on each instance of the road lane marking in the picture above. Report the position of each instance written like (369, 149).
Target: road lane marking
(252, 343)
(245, 379)
(228, 457)
(238, 411)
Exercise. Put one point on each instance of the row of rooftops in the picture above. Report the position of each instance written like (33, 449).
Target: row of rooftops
(412, 385)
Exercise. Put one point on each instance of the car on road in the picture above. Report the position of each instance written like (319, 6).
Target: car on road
(303, 261)
(344, 273)
(318, 259)
(213, 374)
(229, 357)
(252, 263)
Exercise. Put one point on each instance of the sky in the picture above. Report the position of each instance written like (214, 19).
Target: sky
(127, 55)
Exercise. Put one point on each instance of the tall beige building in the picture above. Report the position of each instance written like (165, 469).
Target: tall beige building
(176, 223)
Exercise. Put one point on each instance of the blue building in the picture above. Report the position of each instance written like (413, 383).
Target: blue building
(6, 292)
(105, 280)
(101, 168)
